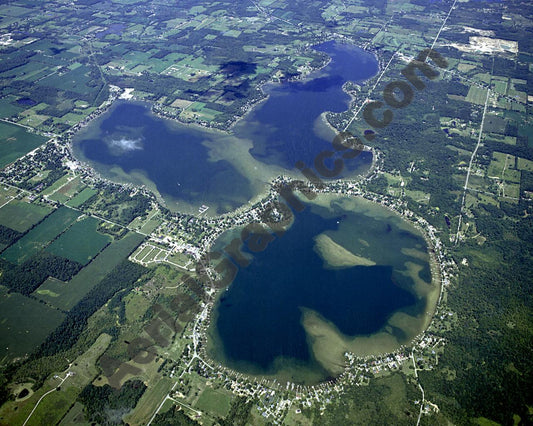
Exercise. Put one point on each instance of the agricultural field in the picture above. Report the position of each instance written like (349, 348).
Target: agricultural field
(80, 198)
(25, 324)
(65, 296)
(40, 236)
(62, 181)
(68, 244)
(67, 191)
(215, 402)
(15, 142)
(150, 401)
(147, 225)
(21, 215)
(476, 95)
(46, 288)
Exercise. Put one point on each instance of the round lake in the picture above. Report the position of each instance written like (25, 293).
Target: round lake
(348, 275)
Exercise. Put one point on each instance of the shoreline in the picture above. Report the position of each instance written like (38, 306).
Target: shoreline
(268, 193)
(426, 318)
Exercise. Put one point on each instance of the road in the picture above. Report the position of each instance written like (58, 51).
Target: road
(421, 390)
(68, 374)
(470, 167)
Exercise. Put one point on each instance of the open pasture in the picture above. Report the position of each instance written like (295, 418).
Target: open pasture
(15, 142)
(21, 216)
(40, 236)
(25, 323)
(81, 242)
(80, 198)
(65, 296)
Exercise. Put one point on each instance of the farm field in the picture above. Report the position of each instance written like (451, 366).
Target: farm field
(68, 244)
(67, 191)
(476, 95)
(15, 142)
(80, 198)
(21, 216)
(149, 401)
(65, 296)
(57, 185)
(40, 236)
(25, 323)
(214, 402)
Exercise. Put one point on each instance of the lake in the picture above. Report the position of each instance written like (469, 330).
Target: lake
(188, 166)
(349, 275)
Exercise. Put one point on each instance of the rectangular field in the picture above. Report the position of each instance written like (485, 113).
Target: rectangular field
(476, 95)
(25, 323)
(80, 198)
(62, 181)
(15, 142)
(81, 242)
(149, 402)
(214, 402)
(67, 191)
(21, 216)
(40, 236)
(65, 296)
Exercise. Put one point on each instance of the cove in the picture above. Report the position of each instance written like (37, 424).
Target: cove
(188, 166)
(348, 275)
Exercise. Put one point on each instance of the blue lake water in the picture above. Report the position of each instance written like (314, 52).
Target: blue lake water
(189, 166)
(257, 326)
(260, 324)
(285, 129)
(170, 155)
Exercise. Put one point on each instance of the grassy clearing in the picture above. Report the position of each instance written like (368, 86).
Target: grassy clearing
(57, 404)
(46, 288)
(476, 95)
(214, 402)
(15, 142)
(524, 164)
(67, 191)
(88, 277)
(57, 184)
(39, 237)
(498, 163)
(75, 416)
(68, 244)
(25, 323)
(83, 196)
(149, 402)
(21, 216)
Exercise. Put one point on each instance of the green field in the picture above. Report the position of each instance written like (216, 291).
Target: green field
(67, 191)
(25, 323)
(81, 242)
(524, 164)
(149, 402)
(476, 95)
(83, 196)
(214, 402)
(15, 142)
(57, 184)
(75, 80)
(56, 405)
(40, 236)
(8, 108)
(65, 296)
(50, 283)
(21, 216)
